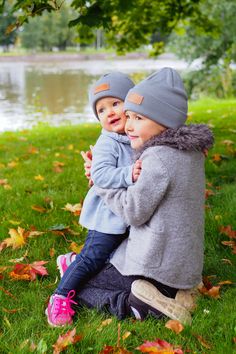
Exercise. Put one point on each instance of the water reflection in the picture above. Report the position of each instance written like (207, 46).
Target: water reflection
(58, 92)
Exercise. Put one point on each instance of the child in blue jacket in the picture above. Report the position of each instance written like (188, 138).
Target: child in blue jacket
(111, 168)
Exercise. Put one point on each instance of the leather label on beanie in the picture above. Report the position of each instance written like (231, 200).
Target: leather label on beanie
(102, 87)
(135, 98)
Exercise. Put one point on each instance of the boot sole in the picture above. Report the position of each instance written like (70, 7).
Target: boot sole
(149, 294)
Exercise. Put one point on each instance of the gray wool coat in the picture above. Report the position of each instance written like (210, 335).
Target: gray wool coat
(165, 209)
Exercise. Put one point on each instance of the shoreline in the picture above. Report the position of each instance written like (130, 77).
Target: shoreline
(60, 57)
(45, 57)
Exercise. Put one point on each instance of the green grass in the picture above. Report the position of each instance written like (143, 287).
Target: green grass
(214, 319)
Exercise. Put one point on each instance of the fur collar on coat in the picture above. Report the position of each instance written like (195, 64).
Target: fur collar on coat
(193, 137)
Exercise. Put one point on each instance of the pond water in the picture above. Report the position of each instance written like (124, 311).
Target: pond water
(57, 92)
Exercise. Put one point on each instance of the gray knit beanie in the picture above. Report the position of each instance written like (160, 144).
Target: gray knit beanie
(114, 84)
(160, 97)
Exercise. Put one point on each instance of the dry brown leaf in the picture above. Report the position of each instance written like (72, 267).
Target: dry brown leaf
(227, 261)
(39, 208)
(65, 340)
(203, 342)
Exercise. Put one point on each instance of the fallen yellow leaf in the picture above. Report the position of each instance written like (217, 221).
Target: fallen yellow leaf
(74, 209)
(16, 239)
(39, 178)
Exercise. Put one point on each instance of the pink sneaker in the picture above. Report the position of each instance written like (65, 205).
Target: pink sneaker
(64, 260)
(59, 311)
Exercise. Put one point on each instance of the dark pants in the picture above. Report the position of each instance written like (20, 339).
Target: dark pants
(109, 291)
(96, 251)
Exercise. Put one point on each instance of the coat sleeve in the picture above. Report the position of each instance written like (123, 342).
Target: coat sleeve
(137, 203)
(104, 170)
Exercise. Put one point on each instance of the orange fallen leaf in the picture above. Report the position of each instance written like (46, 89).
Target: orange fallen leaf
(16, 239)
(33, 150)
(74, 209)
(216, 158)
(69, 338)
(213, 292)
(74, 247)
(174, 326)
(208, 193)
(3, 181)
(28, 271)
(58, 164)
(52, 252)
(159, 346)
(228, 231)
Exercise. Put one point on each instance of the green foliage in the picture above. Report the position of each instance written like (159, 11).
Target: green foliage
(215, 81)
(48, 31)
(6, 19)
(215, 43)
(127, 24)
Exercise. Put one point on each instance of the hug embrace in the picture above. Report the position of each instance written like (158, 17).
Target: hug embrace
(143, 254)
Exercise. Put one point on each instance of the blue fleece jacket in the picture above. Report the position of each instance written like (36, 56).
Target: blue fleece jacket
(111, 168)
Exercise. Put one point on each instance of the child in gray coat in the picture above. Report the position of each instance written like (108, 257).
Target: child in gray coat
(163, 256)
(112, 167)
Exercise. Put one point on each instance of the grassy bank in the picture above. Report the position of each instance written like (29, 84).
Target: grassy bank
(40, 172)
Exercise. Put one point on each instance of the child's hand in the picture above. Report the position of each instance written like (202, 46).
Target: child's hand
(88, 156)
(136, 170)
(205, 152)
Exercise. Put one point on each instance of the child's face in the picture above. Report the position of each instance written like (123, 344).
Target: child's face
(111, 115)
(139, 129)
